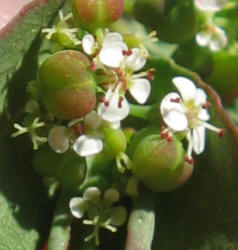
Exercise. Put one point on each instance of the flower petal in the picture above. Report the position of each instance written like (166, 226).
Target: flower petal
(198, 139)
(113, 113)
(200, 97)
(140, 90)
(92, 120)
(78, 206)
(111, 55)
(210, 5)
(59, 138)
(203, 38)
(173, 113)
(186, 87)
(88, 43)
(112, 37)
(136, 60)
(85, 146)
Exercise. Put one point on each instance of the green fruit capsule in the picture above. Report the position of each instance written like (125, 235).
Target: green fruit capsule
(67, 86)
(71, 170)
(116, 140)
(175, 21)
(92, 14)
(158, 163)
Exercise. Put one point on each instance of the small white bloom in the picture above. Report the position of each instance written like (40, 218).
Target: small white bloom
(187, 112)
(210, 5)
(112, 109)
(213, 37)
(85, 146)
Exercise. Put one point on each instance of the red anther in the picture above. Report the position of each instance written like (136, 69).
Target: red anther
(150, 74)
(93, 66)
(106, 103)
(119, 105)
(78, 129)
(121, 98)
(164, 135)
(169, 138)
(124, 52)
(177, 100)
(206, 105)
(129, 52)
(221, 133)
(45, 247)
(102, 99)
(189, 160)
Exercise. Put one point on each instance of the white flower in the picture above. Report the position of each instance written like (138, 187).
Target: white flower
(113, 108)
(213, 37)
(210, 5)
(61, 137)
(187, 112)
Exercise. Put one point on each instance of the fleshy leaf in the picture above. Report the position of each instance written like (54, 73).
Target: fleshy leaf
(24, 216)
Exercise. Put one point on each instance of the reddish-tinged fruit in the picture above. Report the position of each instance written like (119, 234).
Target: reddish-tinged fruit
(67, 85)
(92, 14)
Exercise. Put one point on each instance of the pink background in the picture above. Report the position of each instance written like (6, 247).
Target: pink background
(9, 8)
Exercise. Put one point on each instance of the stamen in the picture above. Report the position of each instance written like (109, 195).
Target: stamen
(189, 160)
(176, 100)
(169, 138)
(78, 129)
(106, 103)
(206, 105)
(211, 127)
(93, 66)
(129, 52)
(150, 74)
(124, 52)
(102, 99)
(221, 133)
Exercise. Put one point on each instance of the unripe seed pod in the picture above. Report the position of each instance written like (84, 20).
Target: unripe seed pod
(116, 139)
(67, 85)
(158, 163)
(71, 171)
(92, 14)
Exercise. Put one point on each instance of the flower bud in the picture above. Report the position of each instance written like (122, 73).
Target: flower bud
(158, 163)
(67, 85)
(92, 14)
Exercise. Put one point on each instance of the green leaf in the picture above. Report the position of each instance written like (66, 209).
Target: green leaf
(16, 40)
(25, 207)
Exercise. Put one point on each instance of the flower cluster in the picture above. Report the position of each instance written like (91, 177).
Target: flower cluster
(101, 212)
(113, 56)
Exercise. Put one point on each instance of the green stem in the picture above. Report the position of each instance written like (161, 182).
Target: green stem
(139, 111)
(60, 227)
(140, 229)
